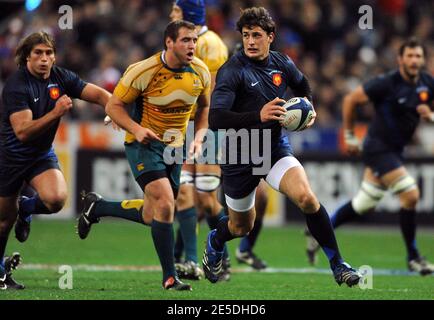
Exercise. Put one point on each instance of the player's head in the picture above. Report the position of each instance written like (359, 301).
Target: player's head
(411, 58)
(189, 10)
(37, 52)
(180, 39)
(258, 30)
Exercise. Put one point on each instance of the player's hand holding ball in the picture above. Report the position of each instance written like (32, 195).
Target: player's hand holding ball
(299, 114)
(273, 110)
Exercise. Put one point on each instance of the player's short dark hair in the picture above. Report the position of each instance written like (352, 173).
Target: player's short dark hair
(28, 43)
(172, 29)
(411, 43)
(256, 16)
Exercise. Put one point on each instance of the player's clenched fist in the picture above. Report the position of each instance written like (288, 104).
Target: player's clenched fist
(63, 104)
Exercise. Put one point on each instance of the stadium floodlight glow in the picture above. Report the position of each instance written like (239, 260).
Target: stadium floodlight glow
(32, 4)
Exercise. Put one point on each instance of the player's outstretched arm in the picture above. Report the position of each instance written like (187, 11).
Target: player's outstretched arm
(95, 94)
(27, 129)
(350, 102)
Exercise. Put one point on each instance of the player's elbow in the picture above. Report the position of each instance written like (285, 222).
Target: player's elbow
(22, 136)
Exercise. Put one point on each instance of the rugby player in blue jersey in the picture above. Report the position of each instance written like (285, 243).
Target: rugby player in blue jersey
(248, 93)
(35, 98)
(401, 98)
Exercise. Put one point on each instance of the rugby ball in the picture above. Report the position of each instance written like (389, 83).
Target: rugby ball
(299, 112)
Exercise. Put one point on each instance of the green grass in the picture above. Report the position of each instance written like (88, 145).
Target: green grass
(123, 243)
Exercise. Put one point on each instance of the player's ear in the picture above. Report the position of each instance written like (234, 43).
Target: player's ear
(271, 36)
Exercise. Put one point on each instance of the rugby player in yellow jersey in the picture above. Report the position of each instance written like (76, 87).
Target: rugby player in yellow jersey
(164, 88)
(205, 178)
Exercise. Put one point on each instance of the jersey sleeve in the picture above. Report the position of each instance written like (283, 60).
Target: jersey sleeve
(130, 86)
(224, 93)
(376, 88)
(293, 74)
(74, 85)
(15, 98)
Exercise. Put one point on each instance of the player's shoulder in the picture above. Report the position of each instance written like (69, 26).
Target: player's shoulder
(427, 78)
(16, 81)
(137, 69)
(234, 63)
(280, 56)
(386, 79)
(198, 64)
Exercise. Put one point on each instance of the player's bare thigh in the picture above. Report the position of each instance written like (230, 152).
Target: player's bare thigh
(295, 185)
(51, 188)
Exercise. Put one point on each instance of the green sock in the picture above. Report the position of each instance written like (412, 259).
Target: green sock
(127, 209)
(187, 223)
(162, 234)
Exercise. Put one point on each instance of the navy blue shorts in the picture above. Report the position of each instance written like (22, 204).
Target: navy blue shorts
(238, 181)
(13, 176)
(383, 162)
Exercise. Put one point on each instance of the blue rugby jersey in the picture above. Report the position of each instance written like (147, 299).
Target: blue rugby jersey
(395, 101)
(25, 91)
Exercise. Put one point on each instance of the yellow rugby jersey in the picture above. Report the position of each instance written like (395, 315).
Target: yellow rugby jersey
(164, 97)
(210, 49)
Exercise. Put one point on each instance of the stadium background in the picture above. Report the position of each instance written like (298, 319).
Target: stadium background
(322, 37)
(324, 40)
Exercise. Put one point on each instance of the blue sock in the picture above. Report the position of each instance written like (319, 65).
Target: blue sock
(213, 222)
(33, 205)
(162, 234)
(343, 214)
(222, 235)
(407, 220)
(187, 223)
(248, 242)
(321, 229)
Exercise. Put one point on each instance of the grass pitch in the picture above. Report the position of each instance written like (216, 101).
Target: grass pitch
(118, 261)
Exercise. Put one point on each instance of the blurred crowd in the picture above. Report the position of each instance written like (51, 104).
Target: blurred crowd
(322, 37)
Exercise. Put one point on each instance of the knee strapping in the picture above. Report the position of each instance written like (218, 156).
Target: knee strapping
(186, 177)
(207, 182)
(403, 184)
(368, 197)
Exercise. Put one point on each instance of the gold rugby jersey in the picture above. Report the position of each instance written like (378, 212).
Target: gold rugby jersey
(164, 97)
(210, 49)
